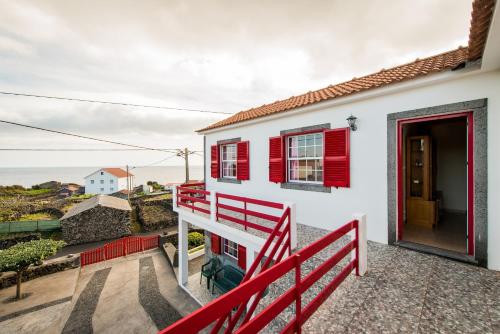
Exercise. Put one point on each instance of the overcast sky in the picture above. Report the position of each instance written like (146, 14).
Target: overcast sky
(215, 55)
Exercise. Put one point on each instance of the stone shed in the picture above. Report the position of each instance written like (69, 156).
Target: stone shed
(98, 218)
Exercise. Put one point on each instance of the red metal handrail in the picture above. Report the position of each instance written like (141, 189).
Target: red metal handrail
(188, 197)
(281, 242)
(246, 212)
(241, 295)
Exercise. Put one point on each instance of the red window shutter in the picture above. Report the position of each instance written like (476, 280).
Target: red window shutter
(214, 153)
(243, 161)
(276, 160)
(215, 241)
(337, 160)
(242, 257)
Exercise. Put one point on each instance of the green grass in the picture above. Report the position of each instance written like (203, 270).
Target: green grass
(36, 216)
(9, 192)
(83, 196)
(159, 198)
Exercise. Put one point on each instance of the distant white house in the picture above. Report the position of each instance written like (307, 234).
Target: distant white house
(107, 181)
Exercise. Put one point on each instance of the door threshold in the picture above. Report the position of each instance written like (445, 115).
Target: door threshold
(437, 251)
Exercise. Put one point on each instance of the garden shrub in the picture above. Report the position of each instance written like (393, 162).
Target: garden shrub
(195, 239)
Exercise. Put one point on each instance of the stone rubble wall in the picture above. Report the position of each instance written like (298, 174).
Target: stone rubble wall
(155, 215)
(96, 224)
(15, 238)
(8, 278)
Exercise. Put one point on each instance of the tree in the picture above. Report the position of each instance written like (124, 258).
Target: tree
(19, 257)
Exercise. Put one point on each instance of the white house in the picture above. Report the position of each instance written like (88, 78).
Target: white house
(107, 181)
(419, 155)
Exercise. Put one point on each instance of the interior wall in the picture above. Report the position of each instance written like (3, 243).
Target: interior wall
(449, 144)
(451, 177)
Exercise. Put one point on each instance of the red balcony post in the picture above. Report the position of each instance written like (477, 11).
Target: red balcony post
(245, 207)
(216, 207)
(356, 225)
(298, 298)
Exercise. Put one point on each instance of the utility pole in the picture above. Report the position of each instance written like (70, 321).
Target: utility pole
(186, 160)
(128, 186)
(185, 154)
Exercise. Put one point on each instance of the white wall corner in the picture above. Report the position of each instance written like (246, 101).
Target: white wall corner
(362, 243)
(213, 207)
(293, 223)
(183, 251)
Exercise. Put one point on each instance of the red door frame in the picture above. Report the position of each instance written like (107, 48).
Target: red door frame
(470, 171)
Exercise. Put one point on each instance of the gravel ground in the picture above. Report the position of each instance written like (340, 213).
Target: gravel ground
(153, 302)
(80, 319)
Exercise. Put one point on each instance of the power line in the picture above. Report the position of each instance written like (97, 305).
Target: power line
(74, 149)
(87, 137)
(156, 162)
(114, 103)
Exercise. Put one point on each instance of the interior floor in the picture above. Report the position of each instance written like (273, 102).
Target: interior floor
(450, 233)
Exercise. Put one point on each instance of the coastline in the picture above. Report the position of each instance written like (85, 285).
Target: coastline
(29, 176)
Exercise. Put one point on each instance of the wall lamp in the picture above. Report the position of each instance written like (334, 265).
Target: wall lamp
(351, 120)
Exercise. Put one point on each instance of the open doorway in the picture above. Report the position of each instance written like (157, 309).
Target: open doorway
(434, 155)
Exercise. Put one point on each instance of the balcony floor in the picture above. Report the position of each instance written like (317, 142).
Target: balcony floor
(403, 292)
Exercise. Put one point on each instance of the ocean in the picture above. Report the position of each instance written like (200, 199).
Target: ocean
(28, 176)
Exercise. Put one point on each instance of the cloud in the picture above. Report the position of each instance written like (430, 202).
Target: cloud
(225, 55)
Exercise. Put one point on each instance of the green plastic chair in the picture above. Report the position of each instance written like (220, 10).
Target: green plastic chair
(208, 270)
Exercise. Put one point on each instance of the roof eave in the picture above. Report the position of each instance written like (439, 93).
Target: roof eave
(393, 88)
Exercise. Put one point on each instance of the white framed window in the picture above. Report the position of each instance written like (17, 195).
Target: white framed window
(102, 189)
(111, 181)
(102, 181)
(91, 181)
(231, 248)
(305, 158)
(102, 173)
(228, 161)
(111, 189)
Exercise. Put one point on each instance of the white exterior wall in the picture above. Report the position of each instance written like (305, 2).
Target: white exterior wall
(118, 183)
(368, 191)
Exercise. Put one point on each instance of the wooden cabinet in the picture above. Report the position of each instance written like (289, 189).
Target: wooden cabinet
(420, 208)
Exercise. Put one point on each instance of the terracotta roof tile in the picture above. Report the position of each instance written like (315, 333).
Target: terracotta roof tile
(481, 18)
(482, 14)
(118, 172)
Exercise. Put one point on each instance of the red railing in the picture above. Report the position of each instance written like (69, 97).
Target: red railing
(245, 212)
(242, 295)
(191, 193)
(117, 248)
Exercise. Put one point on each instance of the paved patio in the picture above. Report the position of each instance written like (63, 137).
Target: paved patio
(133, 294)
(403, 292)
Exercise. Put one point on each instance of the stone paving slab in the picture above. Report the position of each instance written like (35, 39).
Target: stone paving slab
(41, 291)
(40, 321)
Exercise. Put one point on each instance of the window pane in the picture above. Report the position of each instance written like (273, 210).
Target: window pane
(302, 152)
(319, 151)
(310, 140)
(320, 176)
(318, 139)
(302, 141)
(310, 151)
(319, 164)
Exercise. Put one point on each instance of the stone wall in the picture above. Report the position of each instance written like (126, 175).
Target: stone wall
(12, 239)
(48, 267)
(99, 223)
(155, 215)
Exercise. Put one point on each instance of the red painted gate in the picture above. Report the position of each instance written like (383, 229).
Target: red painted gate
(117, 248)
